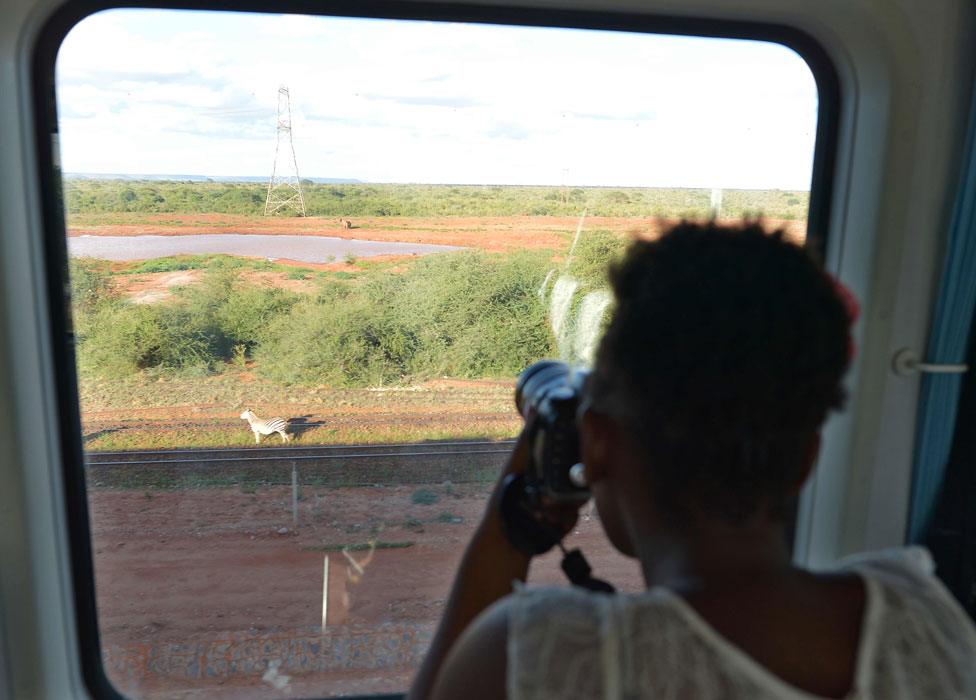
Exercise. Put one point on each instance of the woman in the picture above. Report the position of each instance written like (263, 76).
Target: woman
(724, 355)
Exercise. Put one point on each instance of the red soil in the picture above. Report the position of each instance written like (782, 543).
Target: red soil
(205, 565)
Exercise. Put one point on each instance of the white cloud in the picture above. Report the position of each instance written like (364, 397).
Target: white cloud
(195, 92)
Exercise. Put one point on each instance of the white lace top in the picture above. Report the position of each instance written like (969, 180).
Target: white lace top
(916, 642)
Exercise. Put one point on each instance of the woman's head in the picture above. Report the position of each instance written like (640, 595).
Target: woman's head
(725, 351)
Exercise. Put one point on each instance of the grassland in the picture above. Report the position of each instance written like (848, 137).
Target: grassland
(355, 351)
(360, 358)
(145, 411)
(92, 202)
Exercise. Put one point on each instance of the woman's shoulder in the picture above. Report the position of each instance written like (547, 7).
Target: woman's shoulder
(904, 580)
(563, 642)
(915, 624)
(543, 611)
(909, 567)
(571, 606)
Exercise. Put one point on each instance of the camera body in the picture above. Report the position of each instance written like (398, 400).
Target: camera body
(548, 395)
(551, 391)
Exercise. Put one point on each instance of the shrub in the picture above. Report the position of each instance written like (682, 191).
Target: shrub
(349, 343)
(90, 281)
(239, 356)
(459, 314)
(172, 263)
(123, 338)
(592, 256)
(424, 497)
(473, 315)
(217, 321)
(352, 200)
(245, 314)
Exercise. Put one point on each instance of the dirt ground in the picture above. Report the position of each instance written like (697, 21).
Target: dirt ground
(154, 287)
(490, 233)
(197, 567)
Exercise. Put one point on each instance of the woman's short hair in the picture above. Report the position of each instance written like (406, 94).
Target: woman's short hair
(725, 351)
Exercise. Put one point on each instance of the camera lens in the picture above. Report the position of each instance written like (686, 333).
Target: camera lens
(535, 383)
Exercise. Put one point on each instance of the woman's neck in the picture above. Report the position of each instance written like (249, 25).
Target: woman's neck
(713, 553)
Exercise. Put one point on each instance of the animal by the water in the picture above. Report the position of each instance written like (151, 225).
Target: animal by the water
(345, 223)
(265, 427)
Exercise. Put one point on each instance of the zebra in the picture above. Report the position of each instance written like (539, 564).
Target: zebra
(266, 427)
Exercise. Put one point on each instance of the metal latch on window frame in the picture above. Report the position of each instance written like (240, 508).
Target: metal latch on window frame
(905, 363)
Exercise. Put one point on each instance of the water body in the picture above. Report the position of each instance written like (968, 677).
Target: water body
(312, 249)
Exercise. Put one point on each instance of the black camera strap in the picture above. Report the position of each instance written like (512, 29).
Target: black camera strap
(532, 536)
(579, 572)
(521, 520)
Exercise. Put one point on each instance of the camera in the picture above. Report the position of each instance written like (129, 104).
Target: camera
(548, 395)
(551, 391)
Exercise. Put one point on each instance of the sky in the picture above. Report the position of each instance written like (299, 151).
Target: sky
(195, 93)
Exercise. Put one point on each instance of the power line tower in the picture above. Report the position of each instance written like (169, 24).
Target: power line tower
(285, 187)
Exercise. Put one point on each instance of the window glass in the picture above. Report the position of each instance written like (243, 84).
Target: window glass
(308, 258)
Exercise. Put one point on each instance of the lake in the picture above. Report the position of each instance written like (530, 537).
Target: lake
(311, 249)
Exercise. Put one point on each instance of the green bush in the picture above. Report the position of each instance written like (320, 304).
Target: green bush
(205, 326)
(424, 497)
(592, 256)
(123, 338)
(474, 315)
(360, 199)
(242, 313)
(90, 281)
(457, 314)
(176, 263)
(462, 314)
(348, 343)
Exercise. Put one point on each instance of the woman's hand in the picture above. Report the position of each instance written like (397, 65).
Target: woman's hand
(556, 518)
(489, 566)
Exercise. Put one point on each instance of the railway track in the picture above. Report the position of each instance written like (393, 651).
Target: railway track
(326, 465)
(94, 426)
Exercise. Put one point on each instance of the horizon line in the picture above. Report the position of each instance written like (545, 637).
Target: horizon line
(252, 179)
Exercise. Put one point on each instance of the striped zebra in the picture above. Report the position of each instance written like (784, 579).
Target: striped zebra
(266, 427)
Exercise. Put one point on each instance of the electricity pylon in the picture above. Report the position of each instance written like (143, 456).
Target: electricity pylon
(285, 187)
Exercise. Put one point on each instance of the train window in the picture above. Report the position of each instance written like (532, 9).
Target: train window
(308, 256)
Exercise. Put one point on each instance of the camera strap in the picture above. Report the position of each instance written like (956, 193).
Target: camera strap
(521, 522)
(530, 535)
(579, 572)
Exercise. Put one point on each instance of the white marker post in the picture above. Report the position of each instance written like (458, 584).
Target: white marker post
(325, 592)
(716, 203)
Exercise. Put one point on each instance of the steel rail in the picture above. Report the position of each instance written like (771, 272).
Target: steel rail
(461, 443)
(295, 458)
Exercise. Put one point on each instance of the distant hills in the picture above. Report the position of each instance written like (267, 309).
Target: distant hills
(204, 178)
